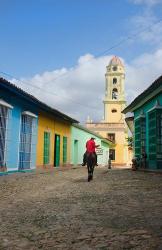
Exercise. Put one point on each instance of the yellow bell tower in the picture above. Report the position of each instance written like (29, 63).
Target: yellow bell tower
(113, 126)
(114, 101)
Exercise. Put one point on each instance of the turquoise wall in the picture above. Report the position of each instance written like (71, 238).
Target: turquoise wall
(79, 137)
(145, 108)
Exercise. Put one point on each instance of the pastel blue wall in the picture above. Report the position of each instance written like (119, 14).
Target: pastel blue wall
(81, 137)
(19, 105)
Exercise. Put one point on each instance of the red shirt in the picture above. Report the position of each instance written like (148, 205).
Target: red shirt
(90, 145)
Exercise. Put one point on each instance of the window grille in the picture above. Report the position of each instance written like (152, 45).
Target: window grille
(140, 136)
(112, 154)
(155, 137)
(3, 125)
(64, 149)
(27, 144)
(46, 147)
(5, 114)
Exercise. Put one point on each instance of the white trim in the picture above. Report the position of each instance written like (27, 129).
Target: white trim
(29, 114)
(140, 116)
(33, 167)
(156, 106)
(18, 157)
(146, 99)
(3, 103)
(11, 169)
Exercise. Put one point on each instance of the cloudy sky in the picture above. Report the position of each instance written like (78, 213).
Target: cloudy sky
(58, 49)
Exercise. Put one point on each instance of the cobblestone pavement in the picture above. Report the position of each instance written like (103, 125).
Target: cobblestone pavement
(119, 209)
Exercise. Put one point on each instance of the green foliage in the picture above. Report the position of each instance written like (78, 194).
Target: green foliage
(130, 141)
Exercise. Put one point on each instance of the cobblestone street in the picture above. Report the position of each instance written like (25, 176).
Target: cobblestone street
(119, 209)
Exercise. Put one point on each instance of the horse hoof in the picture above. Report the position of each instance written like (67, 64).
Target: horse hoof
(89, 178)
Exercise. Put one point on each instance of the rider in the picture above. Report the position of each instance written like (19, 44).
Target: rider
(90, 148)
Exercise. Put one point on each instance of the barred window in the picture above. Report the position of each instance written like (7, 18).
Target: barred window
(5, 115)
(27, 133)
(112, 154)
(3, 129)
(155, 136)
(46, 147)
(64, 149)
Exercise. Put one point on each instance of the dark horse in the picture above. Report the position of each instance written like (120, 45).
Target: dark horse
(91, 161)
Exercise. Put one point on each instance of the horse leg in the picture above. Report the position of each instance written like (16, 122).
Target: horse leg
(89, 174)
(92, 172)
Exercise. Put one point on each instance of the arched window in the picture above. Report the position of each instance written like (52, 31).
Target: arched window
(115, 68)
(113, 110)
(115, 94)
(114, 80)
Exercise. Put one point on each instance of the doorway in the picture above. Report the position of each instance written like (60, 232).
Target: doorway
(75, 152)
(57, 151)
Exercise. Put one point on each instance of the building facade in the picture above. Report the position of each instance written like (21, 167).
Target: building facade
(147, 132)
(79, 136)
(113, 126)
(54, 141)
(31, 132)
(18, 129)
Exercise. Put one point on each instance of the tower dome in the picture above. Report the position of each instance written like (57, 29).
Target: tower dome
(115, 61)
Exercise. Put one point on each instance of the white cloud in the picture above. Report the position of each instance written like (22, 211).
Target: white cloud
(79, 91)
(147, 2)
(141, 72)
(147, 27)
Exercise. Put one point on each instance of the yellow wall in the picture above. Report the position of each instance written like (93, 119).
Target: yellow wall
(120, 146)
(50, 124)
(113, 117)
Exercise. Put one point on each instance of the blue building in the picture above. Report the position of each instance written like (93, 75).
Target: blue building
(18, 128)
(19, 114)
(147, 109)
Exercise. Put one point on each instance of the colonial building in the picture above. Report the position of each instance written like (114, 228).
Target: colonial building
(113, 127)
(31, 132)
(79, 136)
(147, 109)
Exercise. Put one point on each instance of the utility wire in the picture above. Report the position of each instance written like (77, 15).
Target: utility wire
(46, 91)
(127, 38)
(98, 55)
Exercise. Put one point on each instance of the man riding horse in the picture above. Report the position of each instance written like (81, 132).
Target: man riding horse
(90, 157)
(90, 148)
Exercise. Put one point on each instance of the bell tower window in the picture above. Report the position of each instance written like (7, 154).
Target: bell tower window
(114, 80)
(115, 94)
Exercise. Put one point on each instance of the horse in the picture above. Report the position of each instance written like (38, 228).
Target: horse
(91, 161)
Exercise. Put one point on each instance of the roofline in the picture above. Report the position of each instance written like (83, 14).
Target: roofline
(18, 91)
(145, 96)
(92, 132)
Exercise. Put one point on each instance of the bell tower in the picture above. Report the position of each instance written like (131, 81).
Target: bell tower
(113, 126)
(114, 101)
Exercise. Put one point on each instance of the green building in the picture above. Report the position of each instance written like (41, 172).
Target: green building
(147, 109)
(79, 136)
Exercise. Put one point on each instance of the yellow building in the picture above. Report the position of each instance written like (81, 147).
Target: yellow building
(54, 138)
(113, 127)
